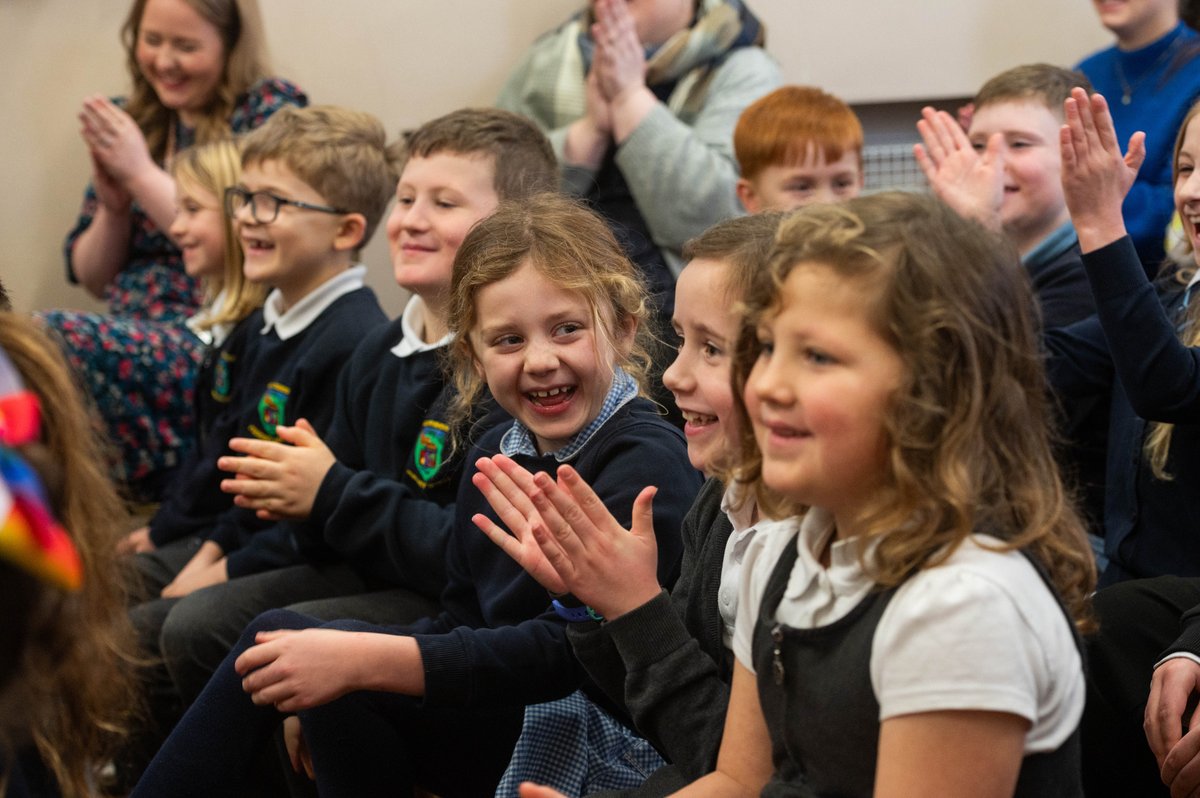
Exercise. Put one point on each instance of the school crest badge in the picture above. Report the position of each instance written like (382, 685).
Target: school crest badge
(429, 453)
(221, 378)
(271, 411)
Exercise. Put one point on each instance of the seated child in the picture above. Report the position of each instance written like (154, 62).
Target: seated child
(66, 687)
(908, 637)
(797, 145)
(649, 641)
(212, 253)
(1005, 173)
(439, 703)
(372, 502)
(315, 182)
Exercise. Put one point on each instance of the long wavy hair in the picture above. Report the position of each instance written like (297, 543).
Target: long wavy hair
(240, 26)
(214, 167)
(968, 428)
(1157, 446)
(69, 688)
(572, 247)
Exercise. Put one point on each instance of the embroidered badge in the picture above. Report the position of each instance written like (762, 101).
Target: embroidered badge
(271, 411)
(221, 379)
(429, 453)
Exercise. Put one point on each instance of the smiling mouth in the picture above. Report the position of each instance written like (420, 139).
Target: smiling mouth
(551, 397)
(697, 419)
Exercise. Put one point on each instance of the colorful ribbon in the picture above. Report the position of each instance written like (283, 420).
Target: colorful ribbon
(30, 537)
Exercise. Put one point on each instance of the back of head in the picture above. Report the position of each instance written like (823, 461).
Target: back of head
(240, 26)
(215, 167)
(521, 154)
(781, 128)
(969, 425)
(1042, 83)
(572, 247)
(742, 244)
(341, 153)
(72, 689)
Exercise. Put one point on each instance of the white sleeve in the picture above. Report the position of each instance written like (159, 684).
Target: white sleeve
(980, 632)
(764, 551)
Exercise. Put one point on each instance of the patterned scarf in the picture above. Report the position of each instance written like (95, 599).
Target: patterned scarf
(560, 68)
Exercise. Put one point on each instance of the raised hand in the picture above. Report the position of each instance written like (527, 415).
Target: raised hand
(1095, 175)
(620, 60)
(611, 569)
(278, 480)
(116, 143)
(507, 488)
(970, 182)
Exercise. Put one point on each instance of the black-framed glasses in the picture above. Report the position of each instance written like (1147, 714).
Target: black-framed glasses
(264, 206)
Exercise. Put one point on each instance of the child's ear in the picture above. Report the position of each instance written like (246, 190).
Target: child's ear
(626, 336)
(747, 195)
(350, 232)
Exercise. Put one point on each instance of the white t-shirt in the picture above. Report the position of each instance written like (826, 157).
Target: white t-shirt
(981, 631)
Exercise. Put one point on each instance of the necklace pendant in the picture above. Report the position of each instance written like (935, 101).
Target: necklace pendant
(1126, 98)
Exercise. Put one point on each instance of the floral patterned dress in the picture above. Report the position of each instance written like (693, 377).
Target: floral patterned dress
(139, 361)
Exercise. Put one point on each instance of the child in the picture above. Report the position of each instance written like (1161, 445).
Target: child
(1152, 70)
(208, 241)
(795, 146)
(211, 253)
(65, 687)
(1141, 347)
(649, 641)
(1006, 174)
(897, 395)
(449, 692)
(314, 185)
(373, 502)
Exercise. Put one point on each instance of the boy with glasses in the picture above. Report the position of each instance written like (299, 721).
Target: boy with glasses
(315, 183)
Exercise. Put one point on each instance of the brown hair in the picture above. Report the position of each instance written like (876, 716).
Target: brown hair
(781, 127)
(215, 167)
(1047, 84)
(72, 690)
(1157, 446)
(742, 244)
(968, 428)
(521, 154)
(341, 153)
(240, 26)
(571, 246)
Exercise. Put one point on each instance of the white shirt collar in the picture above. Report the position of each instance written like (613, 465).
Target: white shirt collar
(297, 318)
(412, 342)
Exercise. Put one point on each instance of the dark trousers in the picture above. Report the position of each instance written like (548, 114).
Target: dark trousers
(363, 744)
(1138, 620)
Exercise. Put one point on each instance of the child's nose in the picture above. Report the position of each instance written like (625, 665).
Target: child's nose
(678, 378)
(540, 358)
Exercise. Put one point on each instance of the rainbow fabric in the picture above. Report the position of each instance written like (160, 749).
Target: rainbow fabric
(30, 537)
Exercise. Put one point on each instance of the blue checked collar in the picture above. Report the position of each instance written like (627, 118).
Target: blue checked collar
(519, 440)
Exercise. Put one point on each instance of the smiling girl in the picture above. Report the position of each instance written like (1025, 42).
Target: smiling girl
(909, 639)
(546, 311)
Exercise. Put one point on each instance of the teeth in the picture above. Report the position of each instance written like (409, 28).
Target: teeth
(698, 419)
(549, 393)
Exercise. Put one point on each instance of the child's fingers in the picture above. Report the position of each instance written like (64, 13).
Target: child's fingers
(268, 450)
(560, 520)
(1106, 134)
(299, 435)
(585, 499)
(255, 489)
(506, 542)
(1136, 154)
(643, 512)
(254, 467)
(511, 504)
(260, 654)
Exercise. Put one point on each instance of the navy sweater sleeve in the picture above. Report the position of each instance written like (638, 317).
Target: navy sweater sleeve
(1159, 374)
(304, 369)
(498, 642)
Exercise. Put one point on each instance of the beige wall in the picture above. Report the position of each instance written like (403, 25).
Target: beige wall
(407, 61)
